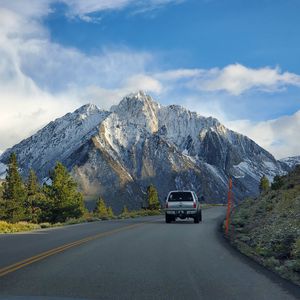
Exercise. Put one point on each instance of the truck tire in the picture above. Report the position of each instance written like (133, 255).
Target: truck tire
(168, 219)
(196, 219)
(200, 216)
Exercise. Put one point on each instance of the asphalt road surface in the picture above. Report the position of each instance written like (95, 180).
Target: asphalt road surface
(134, 259)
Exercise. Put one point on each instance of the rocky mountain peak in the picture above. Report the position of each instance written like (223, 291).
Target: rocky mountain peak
(136, 101)
(117, 153)
(139, 108)
(87, 110)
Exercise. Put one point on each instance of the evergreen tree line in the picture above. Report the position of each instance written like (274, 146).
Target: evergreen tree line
(105, 212)
(264, 184)
(29, 201)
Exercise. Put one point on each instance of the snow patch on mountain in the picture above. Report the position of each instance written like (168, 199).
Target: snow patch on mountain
(247, 168)
(292, 161)
(57, 140)
(138, 109)
(256, 171)
(216, 172)
(118, 153)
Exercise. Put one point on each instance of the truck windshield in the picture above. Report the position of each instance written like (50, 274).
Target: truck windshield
(180, 196)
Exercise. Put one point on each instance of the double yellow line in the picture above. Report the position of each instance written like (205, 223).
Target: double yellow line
(43, 255)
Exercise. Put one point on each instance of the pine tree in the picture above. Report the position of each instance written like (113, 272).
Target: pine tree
(152, 195)
(264, 184)
(2, 203)
(14, 192)
(65, 201)
(32, 184)
(277, 182)
(35, 199)
(125, 212)
(101, 210)
(110, 213)
(46, 205)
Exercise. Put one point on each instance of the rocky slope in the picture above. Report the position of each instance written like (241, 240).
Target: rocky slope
(290, 162)
(267, 228)
(117, 153)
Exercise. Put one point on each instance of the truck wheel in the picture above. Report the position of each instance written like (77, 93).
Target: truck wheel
(200, 216)
(196, 219)
(168, 219)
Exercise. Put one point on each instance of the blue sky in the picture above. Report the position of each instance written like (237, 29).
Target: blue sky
(235, 60)
(195, 33)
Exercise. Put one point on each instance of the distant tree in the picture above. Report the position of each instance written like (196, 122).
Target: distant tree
(152, 198)
(65, 201)
(277, 183)
(101, 211)
(125, 212)
(110, 213)
(264, 184)
(14, 192)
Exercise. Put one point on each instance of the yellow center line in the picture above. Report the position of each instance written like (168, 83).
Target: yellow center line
(43, 255)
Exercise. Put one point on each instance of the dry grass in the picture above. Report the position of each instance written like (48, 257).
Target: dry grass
(17, 227)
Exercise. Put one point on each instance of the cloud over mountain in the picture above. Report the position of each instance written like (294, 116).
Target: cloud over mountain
(41, 79)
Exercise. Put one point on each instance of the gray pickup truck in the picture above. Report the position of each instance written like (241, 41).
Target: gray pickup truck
(182, 204)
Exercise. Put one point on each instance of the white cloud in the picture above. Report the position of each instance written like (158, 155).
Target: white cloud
(36, 8)
(142, 6)
(84, 9)
(232, 79)
(41, 80)
(279, 136)
(178, 74)
(81, 8)
(237, 79)
(142, 82)
(105, 97)
(62, 68)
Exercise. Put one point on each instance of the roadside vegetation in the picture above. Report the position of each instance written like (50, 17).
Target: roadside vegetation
(29, 202)
(267, 228)
(27, 205)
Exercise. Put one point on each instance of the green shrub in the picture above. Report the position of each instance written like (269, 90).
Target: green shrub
(277, 182)
(263, 251)
(293, 265)
(45, 225)
(296, 249)
(272, 262)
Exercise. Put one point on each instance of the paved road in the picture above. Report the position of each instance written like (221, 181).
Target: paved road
(134, 259)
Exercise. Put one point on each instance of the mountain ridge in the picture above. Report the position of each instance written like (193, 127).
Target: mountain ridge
(291, 161)
(117, 153)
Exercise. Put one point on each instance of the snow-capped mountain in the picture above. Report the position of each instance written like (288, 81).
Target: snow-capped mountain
(291, 162)
(118, 153)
